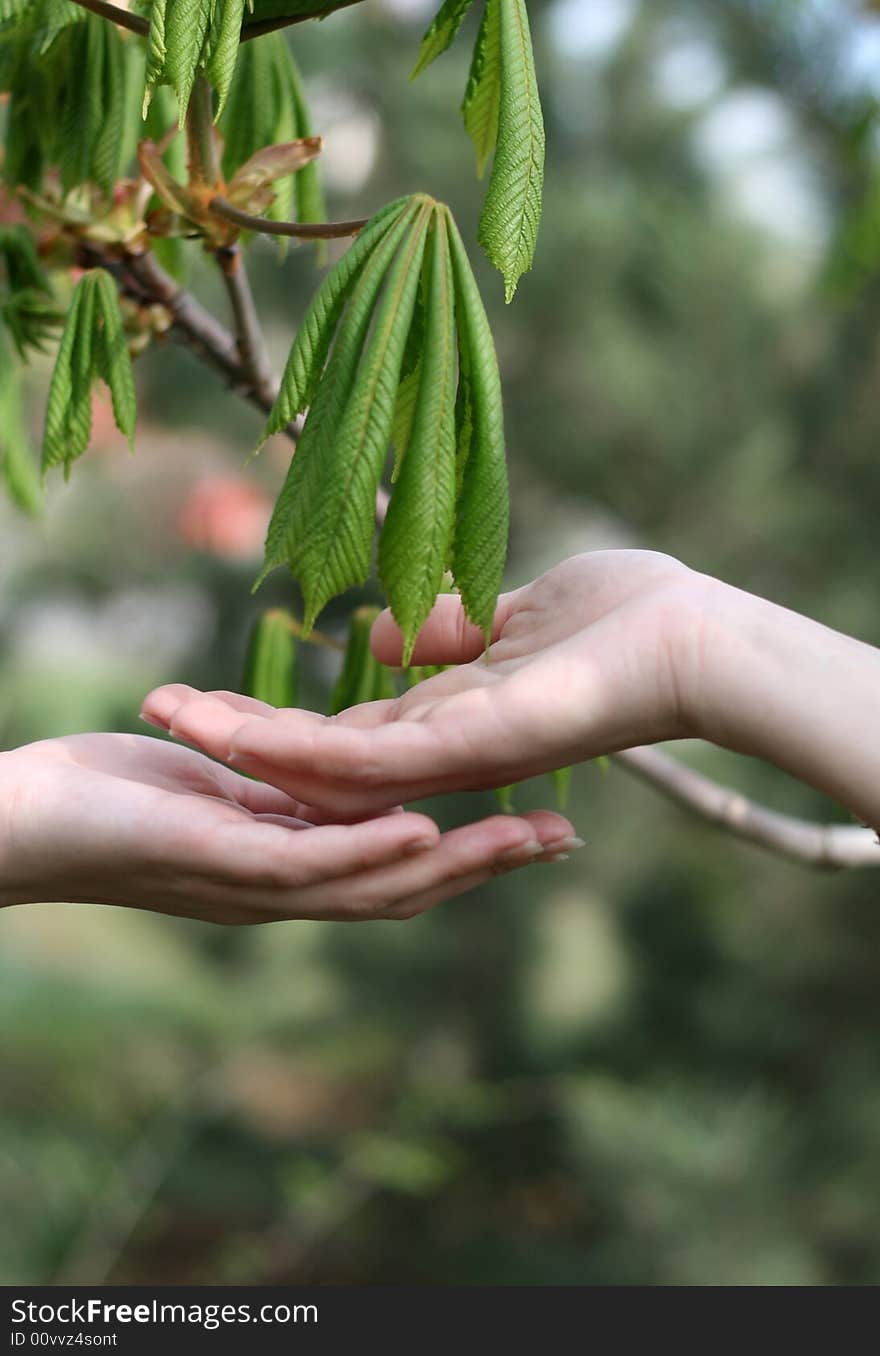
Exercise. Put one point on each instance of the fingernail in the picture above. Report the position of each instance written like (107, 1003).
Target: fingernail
(239, 759)
(523, 852)
(549, 858)
(419, 845)
(564, 845)
(151, 720)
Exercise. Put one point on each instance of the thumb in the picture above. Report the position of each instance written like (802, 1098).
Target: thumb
(447, 636)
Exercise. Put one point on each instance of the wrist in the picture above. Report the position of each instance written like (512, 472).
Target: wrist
(728, 654)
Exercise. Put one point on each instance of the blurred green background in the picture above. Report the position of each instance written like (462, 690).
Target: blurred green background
(660, 1062)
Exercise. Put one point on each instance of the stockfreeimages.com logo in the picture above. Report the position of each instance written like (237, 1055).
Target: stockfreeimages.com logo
(76, 1313)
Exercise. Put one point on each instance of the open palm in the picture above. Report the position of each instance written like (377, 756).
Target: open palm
(583, 661)
(130, 820)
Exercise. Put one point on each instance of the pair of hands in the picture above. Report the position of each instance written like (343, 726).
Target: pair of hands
(583, 661)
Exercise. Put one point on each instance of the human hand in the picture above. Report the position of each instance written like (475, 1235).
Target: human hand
(129, 820)
(596, 655)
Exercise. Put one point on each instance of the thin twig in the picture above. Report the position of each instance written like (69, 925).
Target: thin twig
(143, 278)
(249, 331)
(300, 230)
(261, 26)
(136, 24)
(251, 345)
(820, 845)
(133, 22)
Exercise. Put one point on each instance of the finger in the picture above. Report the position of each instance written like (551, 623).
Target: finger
(447, 636)
(159, 705)
(184, 772)
(209, 720)
(248, 706)
(352, 767)
(476, 849)
(260, 800)
(285, 821)
(256, 857)
(209, 723)
(550, 829)
(420, 903)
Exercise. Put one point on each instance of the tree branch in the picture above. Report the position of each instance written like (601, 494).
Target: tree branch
(301, 230)
(141, 277)
(261, 26)
(251, 345)
(136, 24)
(818, 845)
(133, 22)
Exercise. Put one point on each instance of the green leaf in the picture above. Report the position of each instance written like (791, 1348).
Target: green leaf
(307, 356)
(13, 9)
(480, 540)
(562, 785)
(156, 50)
(270, 666)
(21, 262)
(299, 501)
(310, 205)
(81, 112)
(17, 464)
(27, 313)
(441, 33)
(113, 358)
(29, 320)
(107, 146)
(68, 422)
(92, 345)
(323, 522)
(343, 534)
(57, 120)
(187, 25)
(363, 678)
(253, 111)
(512, 210)
(482, 96)
(224, 43)
(415, 540)
(408, 389)
(84, 360)
(404, 413)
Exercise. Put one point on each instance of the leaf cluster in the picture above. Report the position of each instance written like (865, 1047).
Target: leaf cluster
(28, 315)
(18, 466)
(56, 119)
(192, 37)
(188, 38)
(395, 346)
(27, 319)
(93, 345)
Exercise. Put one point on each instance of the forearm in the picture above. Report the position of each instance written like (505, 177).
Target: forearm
(777, 686)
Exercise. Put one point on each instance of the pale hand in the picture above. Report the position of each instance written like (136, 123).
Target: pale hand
(606, 651)
(586, 660)
(129, 820)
